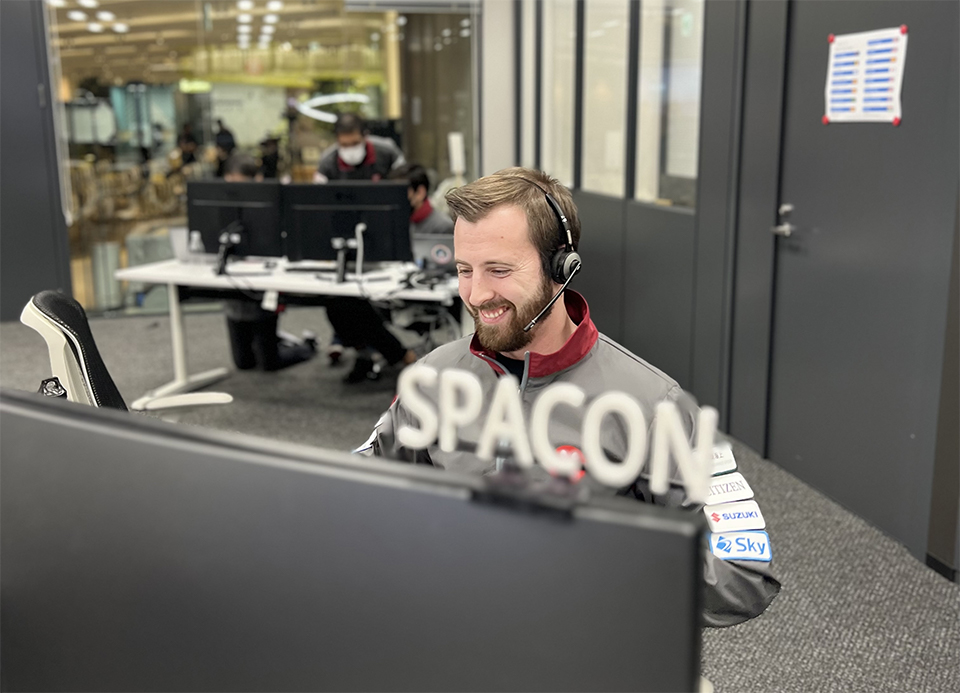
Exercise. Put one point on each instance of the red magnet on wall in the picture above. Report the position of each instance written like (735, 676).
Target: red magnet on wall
(831, 37)
(903, 28)
(896, 121)
(825, 120)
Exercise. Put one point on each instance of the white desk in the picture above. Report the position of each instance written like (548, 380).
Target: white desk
(255, 277)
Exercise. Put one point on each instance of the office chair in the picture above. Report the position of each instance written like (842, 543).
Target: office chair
(79, 373)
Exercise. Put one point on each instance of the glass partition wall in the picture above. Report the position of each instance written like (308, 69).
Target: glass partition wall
(147, 85)
(669, 65)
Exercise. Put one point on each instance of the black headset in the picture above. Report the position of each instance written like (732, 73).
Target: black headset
(565, 261)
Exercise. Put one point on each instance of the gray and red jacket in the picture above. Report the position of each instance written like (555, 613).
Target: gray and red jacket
(735, 590)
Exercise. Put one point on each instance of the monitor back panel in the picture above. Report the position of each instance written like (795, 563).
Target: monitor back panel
(213, 205)
(313, 215)
(139, 557)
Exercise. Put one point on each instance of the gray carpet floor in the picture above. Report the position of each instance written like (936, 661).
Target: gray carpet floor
(856, 613)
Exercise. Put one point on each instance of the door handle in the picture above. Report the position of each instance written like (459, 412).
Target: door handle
(785, 229)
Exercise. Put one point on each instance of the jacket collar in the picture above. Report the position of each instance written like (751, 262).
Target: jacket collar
(422, 213)
(578, 346)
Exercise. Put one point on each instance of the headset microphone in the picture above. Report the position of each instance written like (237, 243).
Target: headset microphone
(576, 268)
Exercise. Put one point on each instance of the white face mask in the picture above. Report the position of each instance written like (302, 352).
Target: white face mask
(353, 155)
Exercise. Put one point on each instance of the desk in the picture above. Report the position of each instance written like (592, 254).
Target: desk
(256, 277)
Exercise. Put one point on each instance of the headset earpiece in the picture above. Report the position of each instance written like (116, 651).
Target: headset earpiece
(566, 259)
(563, 264)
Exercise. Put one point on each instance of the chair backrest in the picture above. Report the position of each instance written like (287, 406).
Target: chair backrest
(74, 357)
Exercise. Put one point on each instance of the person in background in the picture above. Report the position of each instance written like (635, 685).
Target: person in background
(357, 156)
(254, 339)
(225, 144)
(187, 144)
(269, 157)
(424, 219)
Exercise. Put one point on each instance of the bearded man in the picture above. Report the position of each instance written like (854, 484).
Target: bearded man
(515, 243)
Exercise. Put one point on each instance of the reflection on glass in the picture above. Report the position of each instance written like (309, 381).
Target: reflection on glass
(559, 45)
(668, 112)
(152, 94)
(604, 96)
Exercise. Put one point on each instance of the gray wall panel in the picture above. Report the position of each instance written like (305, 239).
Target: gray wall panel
(658, 287)
(719, 144)
(945, 496)
(601, 248)
(33, 242)
(759, 190)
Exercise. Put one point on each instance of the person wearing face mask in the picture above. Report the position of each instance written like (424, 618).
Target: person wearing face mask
(515, 242)
(357, 155)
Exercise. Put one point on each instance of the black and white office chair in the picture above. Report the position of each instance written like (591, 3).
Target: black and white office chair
(79, 373)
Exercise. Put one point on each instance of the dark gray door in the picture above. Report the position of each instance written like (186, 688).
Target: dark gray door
(861, 284)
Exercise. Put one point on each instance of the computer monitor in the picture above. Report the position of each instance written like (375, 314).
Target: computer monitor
(138, 554)
(314, 215)
(213, 206)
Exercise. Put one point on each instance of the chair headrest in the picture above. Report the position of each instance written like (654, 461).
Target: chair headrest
(71, 318)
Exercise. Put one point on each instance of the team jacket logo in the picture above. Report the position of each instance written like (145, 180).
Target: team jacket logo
(741, 546)
(723, 460)
(732, 517)
(729, 488)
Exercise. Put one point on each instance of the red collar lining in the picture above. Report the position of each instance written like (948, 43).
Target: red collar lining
(422, 213)
(578, 346)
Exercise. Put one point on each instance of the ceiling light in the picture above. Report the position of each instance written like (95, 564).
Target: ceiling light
(77, 16)
(401, 20)
(244, 18)
(374, 37)
(445, 33)
(267, 29)
(245, 5)
(274, 5)
(464, 23)
(88, 3)
(464, 33)
(287, 46)
(57, 3)
(270, 19)
(265, 39)
(95, 27)
(121, 28)
(106, 16)
(244, 29)
(243, 45)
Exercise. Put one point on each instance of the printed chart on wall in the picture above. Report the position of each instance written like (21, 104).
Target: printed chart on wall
(864, 76)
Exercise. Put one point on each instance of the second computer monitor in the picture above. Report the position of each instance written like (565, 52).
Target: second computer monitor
(213, 206)
(314, 215)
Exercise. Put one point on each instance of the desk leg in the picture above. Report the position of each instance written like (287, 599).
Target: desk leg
(182, 382)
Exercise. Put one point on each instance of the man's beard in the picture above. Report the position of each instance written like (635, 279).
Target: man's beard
(509, 335)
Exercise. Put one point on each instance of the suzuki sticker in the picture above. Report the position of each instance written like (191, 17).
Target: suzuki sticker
(732, 517)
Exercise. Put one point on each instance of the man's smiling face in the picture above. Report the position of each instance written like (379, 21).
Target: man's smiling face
(501, 281)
